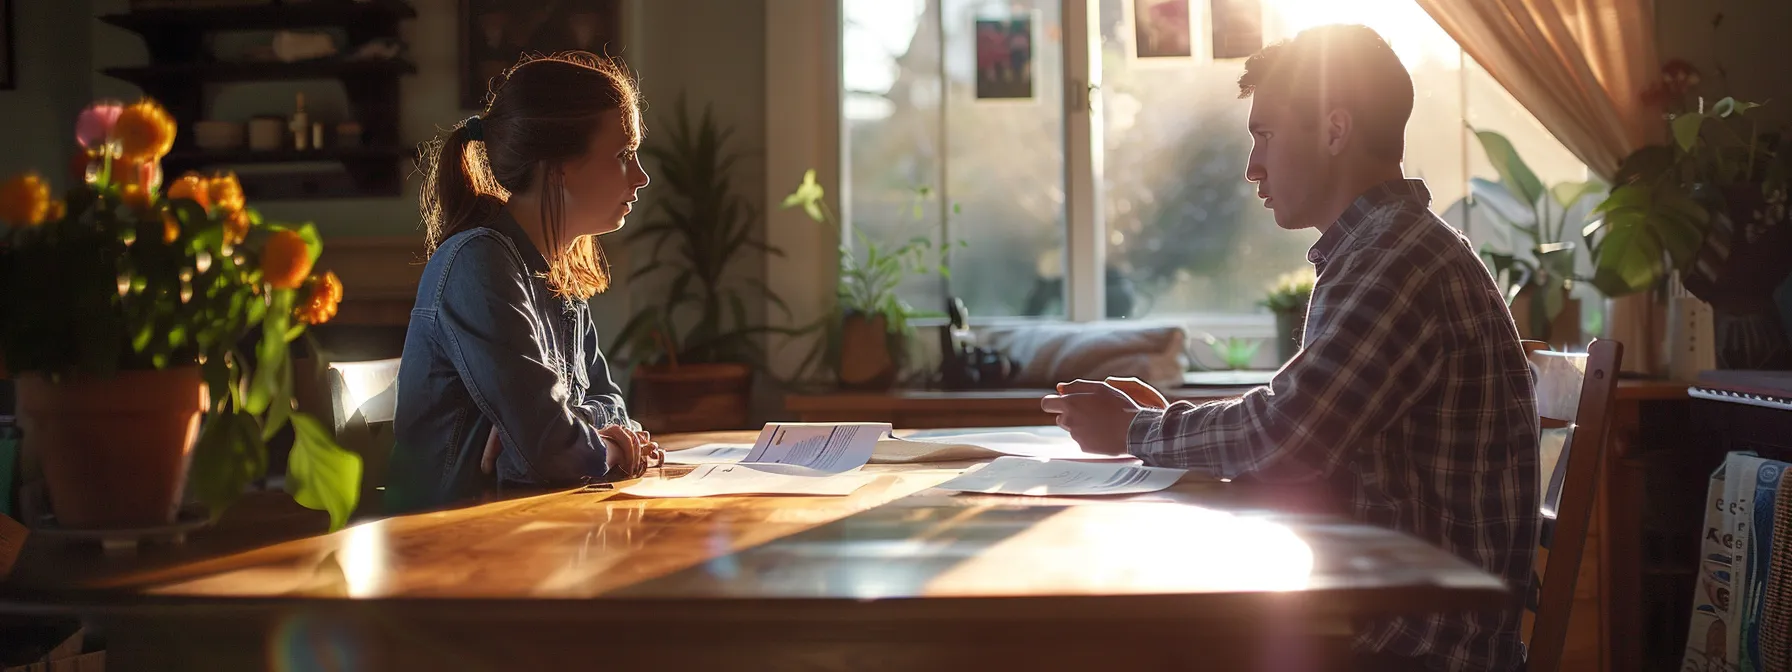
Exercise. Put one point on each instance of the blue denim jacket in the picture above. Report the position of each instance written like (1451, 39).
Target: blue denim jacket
(489, 343)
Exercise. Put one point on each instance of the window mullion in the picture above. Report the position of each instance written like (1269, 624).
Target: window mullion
(1085, 231)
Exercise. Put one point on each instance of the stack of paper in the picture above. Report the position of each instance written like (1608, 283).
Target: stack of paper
(789, 459)
(1030, 476)
(982, 446)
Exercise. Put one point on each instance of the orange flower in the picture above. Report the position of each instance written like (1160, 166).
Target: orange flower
(285, 261)
(170, 228)
(144, 131)
(320, 305)
(137, 197)
(225, 191)
(58, 210)
(24, 200)
(191, 187)
(236, 227)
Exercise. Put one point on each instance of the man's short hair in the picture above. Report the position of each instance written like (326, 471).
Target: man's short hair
(1339, 66)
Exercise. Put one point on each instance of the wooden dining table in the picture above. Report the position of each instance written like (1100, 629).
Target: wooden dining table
(896, 576)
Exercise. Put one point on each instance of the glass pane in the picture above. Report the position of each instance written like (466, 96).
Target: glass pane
(1185, 230)
(1005, 155)
(891, 101)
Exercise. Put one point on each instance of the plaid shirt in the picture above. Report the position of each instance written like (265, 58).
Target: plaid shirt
(1411, 397)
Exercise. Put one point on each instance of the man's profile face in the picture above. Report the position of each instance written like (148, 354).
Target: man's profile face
(1289, 161)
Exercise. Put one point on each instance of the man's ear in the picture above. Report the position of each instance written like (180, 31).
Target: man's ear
(1337, 129)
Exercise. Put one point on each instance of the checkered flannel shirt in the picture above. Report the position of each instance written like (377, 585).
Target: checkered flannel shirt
(1411, 398)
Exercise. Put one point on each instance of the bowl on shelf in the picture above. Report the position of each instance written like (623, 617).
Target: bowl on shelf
(216, 135)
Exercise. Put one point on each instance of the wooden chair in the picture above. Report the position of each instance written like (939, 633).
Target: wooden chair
(363, 402)
(1574, 391)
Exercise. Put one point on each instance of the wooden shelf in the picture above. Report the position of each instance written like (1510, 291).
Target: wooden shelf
(245, 156)
(312, 14)
(148, 75)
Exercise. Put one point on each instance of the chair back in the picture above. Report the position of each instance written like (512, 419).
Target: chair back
(363, 402)
(1575, 392)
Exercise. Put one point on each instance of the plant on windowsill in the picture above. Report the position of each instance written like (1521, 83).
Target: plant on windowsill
(1236, 352)
(695, 348)
(121, 315)
(866, 334)
(1538, 279)
(1710, 204)
(1287, 300)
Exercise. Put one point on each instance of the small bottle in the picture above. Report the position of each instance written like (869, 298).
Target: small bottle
(301, 125)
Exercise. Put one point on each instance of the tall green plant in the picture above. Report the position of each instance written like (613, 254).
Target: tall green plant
(698, 231)
(868, 284)
(1520, 202)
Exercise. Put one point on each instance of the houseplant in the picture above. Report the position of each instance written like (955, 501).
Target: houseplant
(695, 348)
(124, 316)
(1538, 276)
(1711, 205)
(868, 330)
(1287, 300)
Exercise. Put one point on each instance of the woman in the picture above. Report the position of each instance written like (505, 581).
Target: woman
(501, 370)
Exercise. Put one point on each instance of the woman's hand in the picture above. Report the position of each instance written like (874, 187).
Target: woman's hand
(627, 451)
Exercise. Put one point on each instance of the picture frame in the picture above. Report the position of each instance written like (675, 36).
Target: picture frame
(494, 34)
(9, 69)
(1237, 28)
(1005, 56)
(1162, 29)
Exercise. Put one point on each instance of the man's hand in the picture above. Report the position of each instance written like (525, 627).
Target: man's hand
(1096, 414)
(1141, 392)
(493, 446)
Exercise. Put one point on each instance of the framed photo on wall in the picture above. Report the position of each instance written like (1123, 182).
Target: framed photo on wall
(9, 69)
(1005, 57)
(1161, 29)
(495, 33)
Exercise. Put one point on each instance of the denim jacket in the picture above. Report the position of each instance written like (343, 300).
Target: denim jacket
(490, 344)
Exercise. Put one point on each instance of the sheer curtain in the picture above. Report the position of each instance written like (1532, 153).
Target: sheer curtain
(1579, 66)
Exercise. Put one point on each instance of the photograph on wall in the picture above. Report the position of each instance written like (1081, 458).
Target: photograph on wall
(1237, 28)
(1161, 28)
(1005, 58)
(8, 70)
(494, 33)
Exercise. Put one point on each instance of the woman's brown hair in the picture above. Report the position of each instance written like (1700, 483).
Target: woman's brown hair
(542, 111)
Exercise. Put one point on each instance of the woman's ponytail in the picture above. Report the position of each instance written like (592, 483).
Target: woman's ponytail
(454, 183)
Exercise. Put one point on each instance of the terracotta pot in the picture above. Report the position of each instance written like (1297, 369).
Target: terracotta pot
(691, 397)
(114, 451)
(866, 358)
(1564, 330)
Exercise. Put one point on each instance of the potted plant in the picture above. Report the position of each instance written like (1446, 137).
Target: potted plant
(1711, 206)
(1287, 300)
(695, 348)
(1539, 277)
(124, 316)
(869, 328)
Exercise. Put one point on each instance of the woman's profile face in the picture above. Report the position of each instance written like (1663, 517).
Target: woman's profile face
(601, 185)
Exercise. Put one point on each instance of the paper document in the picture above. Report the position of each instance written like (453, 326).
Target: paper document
(739, 479)
(710, 453)
(985, 445)
(827, 447)
(1029, 476)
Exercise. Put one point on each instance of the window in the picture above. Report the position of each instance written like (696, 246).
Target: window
(932, 151)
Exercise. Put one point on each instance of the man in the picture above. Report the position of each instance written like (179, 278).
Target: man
(1411, 398)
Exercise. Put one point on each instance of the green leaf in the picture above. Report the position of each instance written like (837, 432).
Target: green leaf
(1686, 130)
(227, 457)
(320, 474)
(1514, 174)
(1629, 258)
(1569, 193)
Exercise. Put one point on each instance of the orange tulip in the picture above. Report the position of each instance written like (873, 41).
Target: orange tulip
(24, 200)
(170, 228)
(236, 227)
(225, 191)
(144, 131)
(285, 261)
(137, 197)
(321, 304)
(191, 187)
